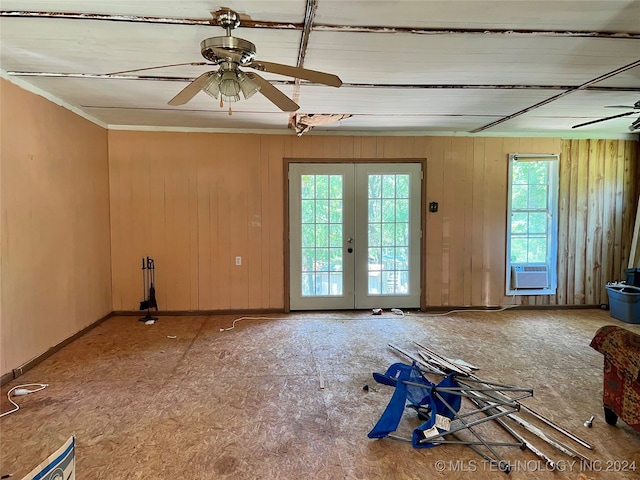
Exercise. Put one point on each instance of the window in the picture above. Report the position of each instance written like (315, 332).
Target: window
(532, 227)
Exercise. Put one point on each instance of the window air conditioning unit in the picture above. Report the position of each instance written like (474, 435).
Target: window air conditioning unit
(529, 276)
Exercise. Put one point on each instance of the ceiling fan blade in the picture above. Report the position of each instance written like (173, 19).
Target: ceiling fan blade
(194, 64)
(297, 72)
(190, 90)
(603, 119)
(274, 95)
(619, 106)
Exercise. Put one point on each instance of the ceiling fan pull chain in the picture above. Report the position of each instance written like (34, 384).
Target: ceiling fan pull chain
(230, 112)
(221, 103)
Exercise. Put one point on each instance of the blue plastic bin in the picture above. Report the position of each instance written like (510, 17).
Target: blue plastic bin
(633, 276)
(624, 302)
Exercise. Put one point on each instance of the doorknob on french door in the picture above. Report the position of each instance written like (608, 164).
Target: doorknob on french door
(349, 240)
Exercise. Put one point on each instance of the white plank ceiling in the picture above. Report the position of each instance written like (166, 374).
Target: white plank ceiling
(459, 67)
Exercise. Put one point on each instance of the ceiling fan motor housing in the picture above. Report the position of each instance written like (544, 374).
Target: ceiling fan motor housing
(227, 19)
(234, 45)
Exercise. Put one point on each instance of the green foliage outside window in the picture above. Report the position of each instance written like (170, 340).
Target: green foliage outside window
(530, 219)
(322, 230)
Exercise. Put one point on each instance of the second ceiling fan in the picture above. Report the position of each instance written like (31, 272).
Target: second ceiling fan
(633, 127)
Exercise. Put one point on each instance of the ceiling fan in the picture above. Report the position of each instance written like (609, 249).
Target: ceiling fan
(633, 127)
(229, 54)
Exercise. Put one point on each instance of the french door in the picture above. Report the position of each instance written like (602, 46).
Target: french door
(354, 235)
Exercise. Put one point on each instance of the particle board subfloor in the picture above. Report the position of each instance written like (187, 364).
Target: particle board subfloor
(247, 403)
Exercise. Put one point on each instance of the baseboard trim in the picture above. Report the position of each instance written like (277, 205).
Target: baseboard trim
(6, 378)
(194, 313)
(511, 307)
(16, 372)
(558, 307)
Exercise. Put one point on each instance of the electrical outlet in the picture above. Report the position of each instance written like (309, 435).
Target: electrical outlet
(238, 260)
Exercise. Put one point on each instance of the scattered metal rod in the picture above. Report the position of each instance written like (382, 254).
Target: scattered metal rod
(470, 442)
(548, 422)
(483, 409)
(463, 393)
(575, 438)
(482, 405)
(435, 438)
(430, 368)
(430, 359)
(501, 466)
(502, 398)
(551, 441)
(532, 448)
(427, 358)
(431, 363)
(468, 426)
(540, 434)
(499, 386)
(445, 362)
(527, 392)
(439, 438)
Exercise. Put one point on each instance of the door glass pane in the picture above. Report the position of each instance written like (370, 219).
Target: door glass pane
(388, 227)
(322, 235)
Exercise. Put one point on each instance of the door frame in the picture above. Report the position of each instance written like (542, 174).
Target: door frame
(286, 237)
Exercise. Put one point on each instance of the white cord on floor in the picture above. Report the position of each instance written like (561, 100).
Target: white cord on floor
(21, 390)
(233, 325)
(501, 309)
(395, 311)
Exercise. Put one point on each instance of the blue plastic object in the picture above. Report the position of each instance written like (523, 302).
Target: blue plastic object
(413, 389)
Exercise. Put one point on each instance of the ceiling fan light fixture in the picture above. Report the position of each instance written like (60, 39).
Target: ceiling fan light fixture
(247, 85)
(229, 86)
(211, 87)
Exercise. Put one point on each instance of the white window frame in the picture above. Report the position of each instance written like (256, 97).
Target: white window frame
(552, 236)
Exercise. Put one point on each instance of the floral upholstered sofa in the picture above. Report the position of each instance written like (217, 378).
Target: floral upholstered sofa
(621, 393)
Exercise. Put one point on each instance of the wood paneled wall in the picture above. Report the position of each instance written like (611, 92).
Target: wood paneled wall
(56, 262)
(195, 201)
(599, 187)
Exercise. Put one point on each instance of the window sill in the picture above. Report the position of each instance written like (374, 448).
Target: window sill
(531, 291)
